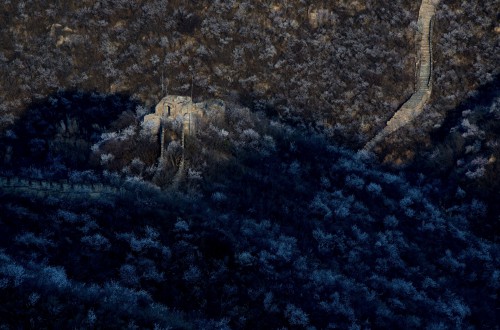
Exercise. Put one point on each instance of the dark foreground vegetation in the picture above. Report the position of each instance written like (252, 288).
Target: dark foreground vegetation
(309, 235)
(272, 227)
(276, 223)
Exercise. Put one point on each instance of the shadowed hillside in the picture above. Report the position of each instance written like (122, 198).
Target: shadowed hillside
(55, 135)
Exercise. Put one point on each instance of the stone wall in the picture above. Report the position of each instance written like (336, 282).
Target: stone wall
(43, 188)
(416, 104)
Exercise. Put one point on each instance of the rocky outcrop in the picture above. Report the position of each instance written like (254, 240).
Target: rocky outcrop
(415, 105)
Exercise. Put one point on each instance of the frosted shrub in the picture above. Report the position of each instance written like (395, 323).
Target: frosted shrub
(68, 216)
(294, 168)
(106, 158)
(151, 232)
(194, 175)
(269, 305)
(146, 129)
(245, 258)
(192, 274)
(91, 317)
(14, 272)
(478, 208)
(128, 275)
(354, 181)
(56, 276)
(219, 197)
(470, 129)
(284, 247)
(126, 133)
(325, 240)
(296, 316)
(406, 202)
(479, 169)
(250, 137)
(33, 299)
(109, 136)
(150, 272)
(476, 173)
(96, 241)
(138, 244)
(474, 148)
(268, 143)
(325, 182)
(268, 52)
(342, 211)
(181, 225)
(374, 188)
(140, 110)
(30, 239)
(390, 221)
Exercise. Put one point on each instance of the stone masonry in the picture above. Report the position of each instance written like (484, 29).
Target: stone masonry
(415, 105)
(174, 106)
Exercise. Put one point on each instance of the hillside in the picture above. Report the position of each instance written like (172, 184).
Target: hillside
(249, 165)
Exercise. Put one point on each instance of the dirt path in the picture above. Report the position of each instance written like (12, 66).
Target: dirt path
(415, 105)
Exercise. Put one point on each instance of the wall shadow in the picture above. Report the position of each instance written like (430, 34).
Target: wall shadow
(484, 96)
(56, 133)
(451, 147)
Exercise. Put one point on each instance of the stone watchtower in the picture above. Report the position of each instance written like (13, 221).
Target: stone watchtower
(171, 107)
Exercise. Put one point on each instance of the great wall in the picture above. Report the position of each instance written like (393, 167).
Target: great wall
(416, 104)
(44, 188)
(172, 106)
(169, 107)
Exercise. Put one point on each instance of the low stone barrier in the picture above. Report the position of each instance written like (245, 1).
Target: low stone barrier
(45, 188)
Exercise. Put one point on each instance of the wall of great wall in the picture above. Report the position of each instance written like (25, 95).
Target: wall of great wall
(415, 105)
(43, 188)
(172, 105)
